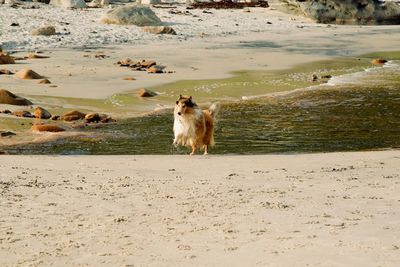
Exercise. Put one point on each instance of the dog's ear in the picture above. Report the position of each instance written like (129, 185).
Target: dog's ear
(180, 97)
(190, 98)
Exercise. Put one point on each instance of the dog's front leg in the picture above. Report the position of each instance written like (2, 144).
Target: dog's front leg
(193, 150)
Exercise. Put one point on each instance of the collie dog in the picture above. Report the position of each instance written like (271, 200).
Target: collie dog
(194, 127)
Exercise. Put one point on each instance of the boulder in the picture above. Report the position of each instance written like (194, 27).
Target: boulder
(22, 113)
(132, 15)
(44, 81)
(159, 30)
(46, 31)
(349, 11)
(68, 3)
(28, 74)
(6, 58)
(146, 93)
(6, 97)
(47, 128)
(41, 113)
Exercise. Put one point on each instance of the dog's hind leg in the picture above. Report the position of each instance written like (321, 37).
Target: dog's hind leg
(193, 150)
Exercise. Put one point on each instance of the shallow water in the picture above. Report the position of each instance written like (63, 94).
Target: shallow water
(359, 111)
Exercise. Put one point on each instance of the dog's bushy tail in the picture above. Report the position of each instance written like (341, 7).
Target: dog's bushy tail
(214, 109)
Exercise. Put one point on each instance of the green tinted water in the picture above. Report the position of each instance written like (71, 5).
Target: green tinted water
(353, 112)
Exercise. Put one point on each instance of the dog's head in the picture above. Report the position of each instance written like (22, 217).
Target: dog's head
(184, 105)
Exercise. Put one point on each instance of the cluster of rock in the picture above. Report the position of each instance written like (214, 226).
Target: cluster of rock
(348, 11)
(145, 65)
(6, 97)
(229, 4)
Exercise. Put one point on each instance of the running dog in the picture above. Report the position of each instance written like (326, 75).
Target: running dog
(194, 127)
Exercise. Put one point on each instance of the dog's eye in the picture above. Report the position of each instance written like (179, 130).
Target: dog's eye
(183, 106)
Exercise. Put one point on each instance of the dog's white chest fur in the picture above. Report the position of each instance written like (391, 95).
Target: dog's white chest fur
(185, 128)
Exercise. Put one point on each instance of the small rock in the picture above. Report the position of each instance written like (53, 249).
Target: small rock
(147, 63)
(156, 69)
(47, 128)
(314, 77)
(5, 71)
(46, 31)
(129, 79)
(378, 61)
(6, 133)
(73, 116)
(69, 3)
(28, 74)
(6, 58)
(146, 93)
(159, 30)
(44, 81)
(6, 111)
(92, 117)
(41, 113)
(35, 56)
(14, 24)
(22, 113)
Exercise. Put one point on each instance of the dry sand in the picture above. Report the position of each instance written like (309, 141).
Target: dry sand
(337, 209)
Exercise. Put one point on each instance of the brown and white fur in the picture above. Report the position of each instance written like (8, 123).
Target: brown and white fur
(194, 127)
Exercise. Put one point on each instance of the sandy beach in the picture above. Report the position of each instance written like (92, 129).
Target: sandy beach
(329, 209)
(336, 209)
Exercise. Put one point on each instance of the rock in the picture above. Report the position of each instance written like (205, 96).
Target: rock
(150, 2)
(156, 69)
(314, 77)
(132, 15)
(47, 128)
(6, 58)
(378, 61)
(46, 31)
(125, 62)
(146, 93)
(68, 3)
(44, 81)
(6, 133)
(350, 11)
(129, 78)
(98, 3)
(92, 117)
(5, 71)
(41, 1)
(54, 117)
(35, 56)
(147, 63)
(5, 111)
(41, 113)
(159, 30)
(73, 116)
(28, 74)
(6, 97)
(22, 113)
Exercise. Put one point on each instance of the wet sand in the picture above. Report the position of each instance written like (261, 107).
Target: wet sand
(336, 209)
